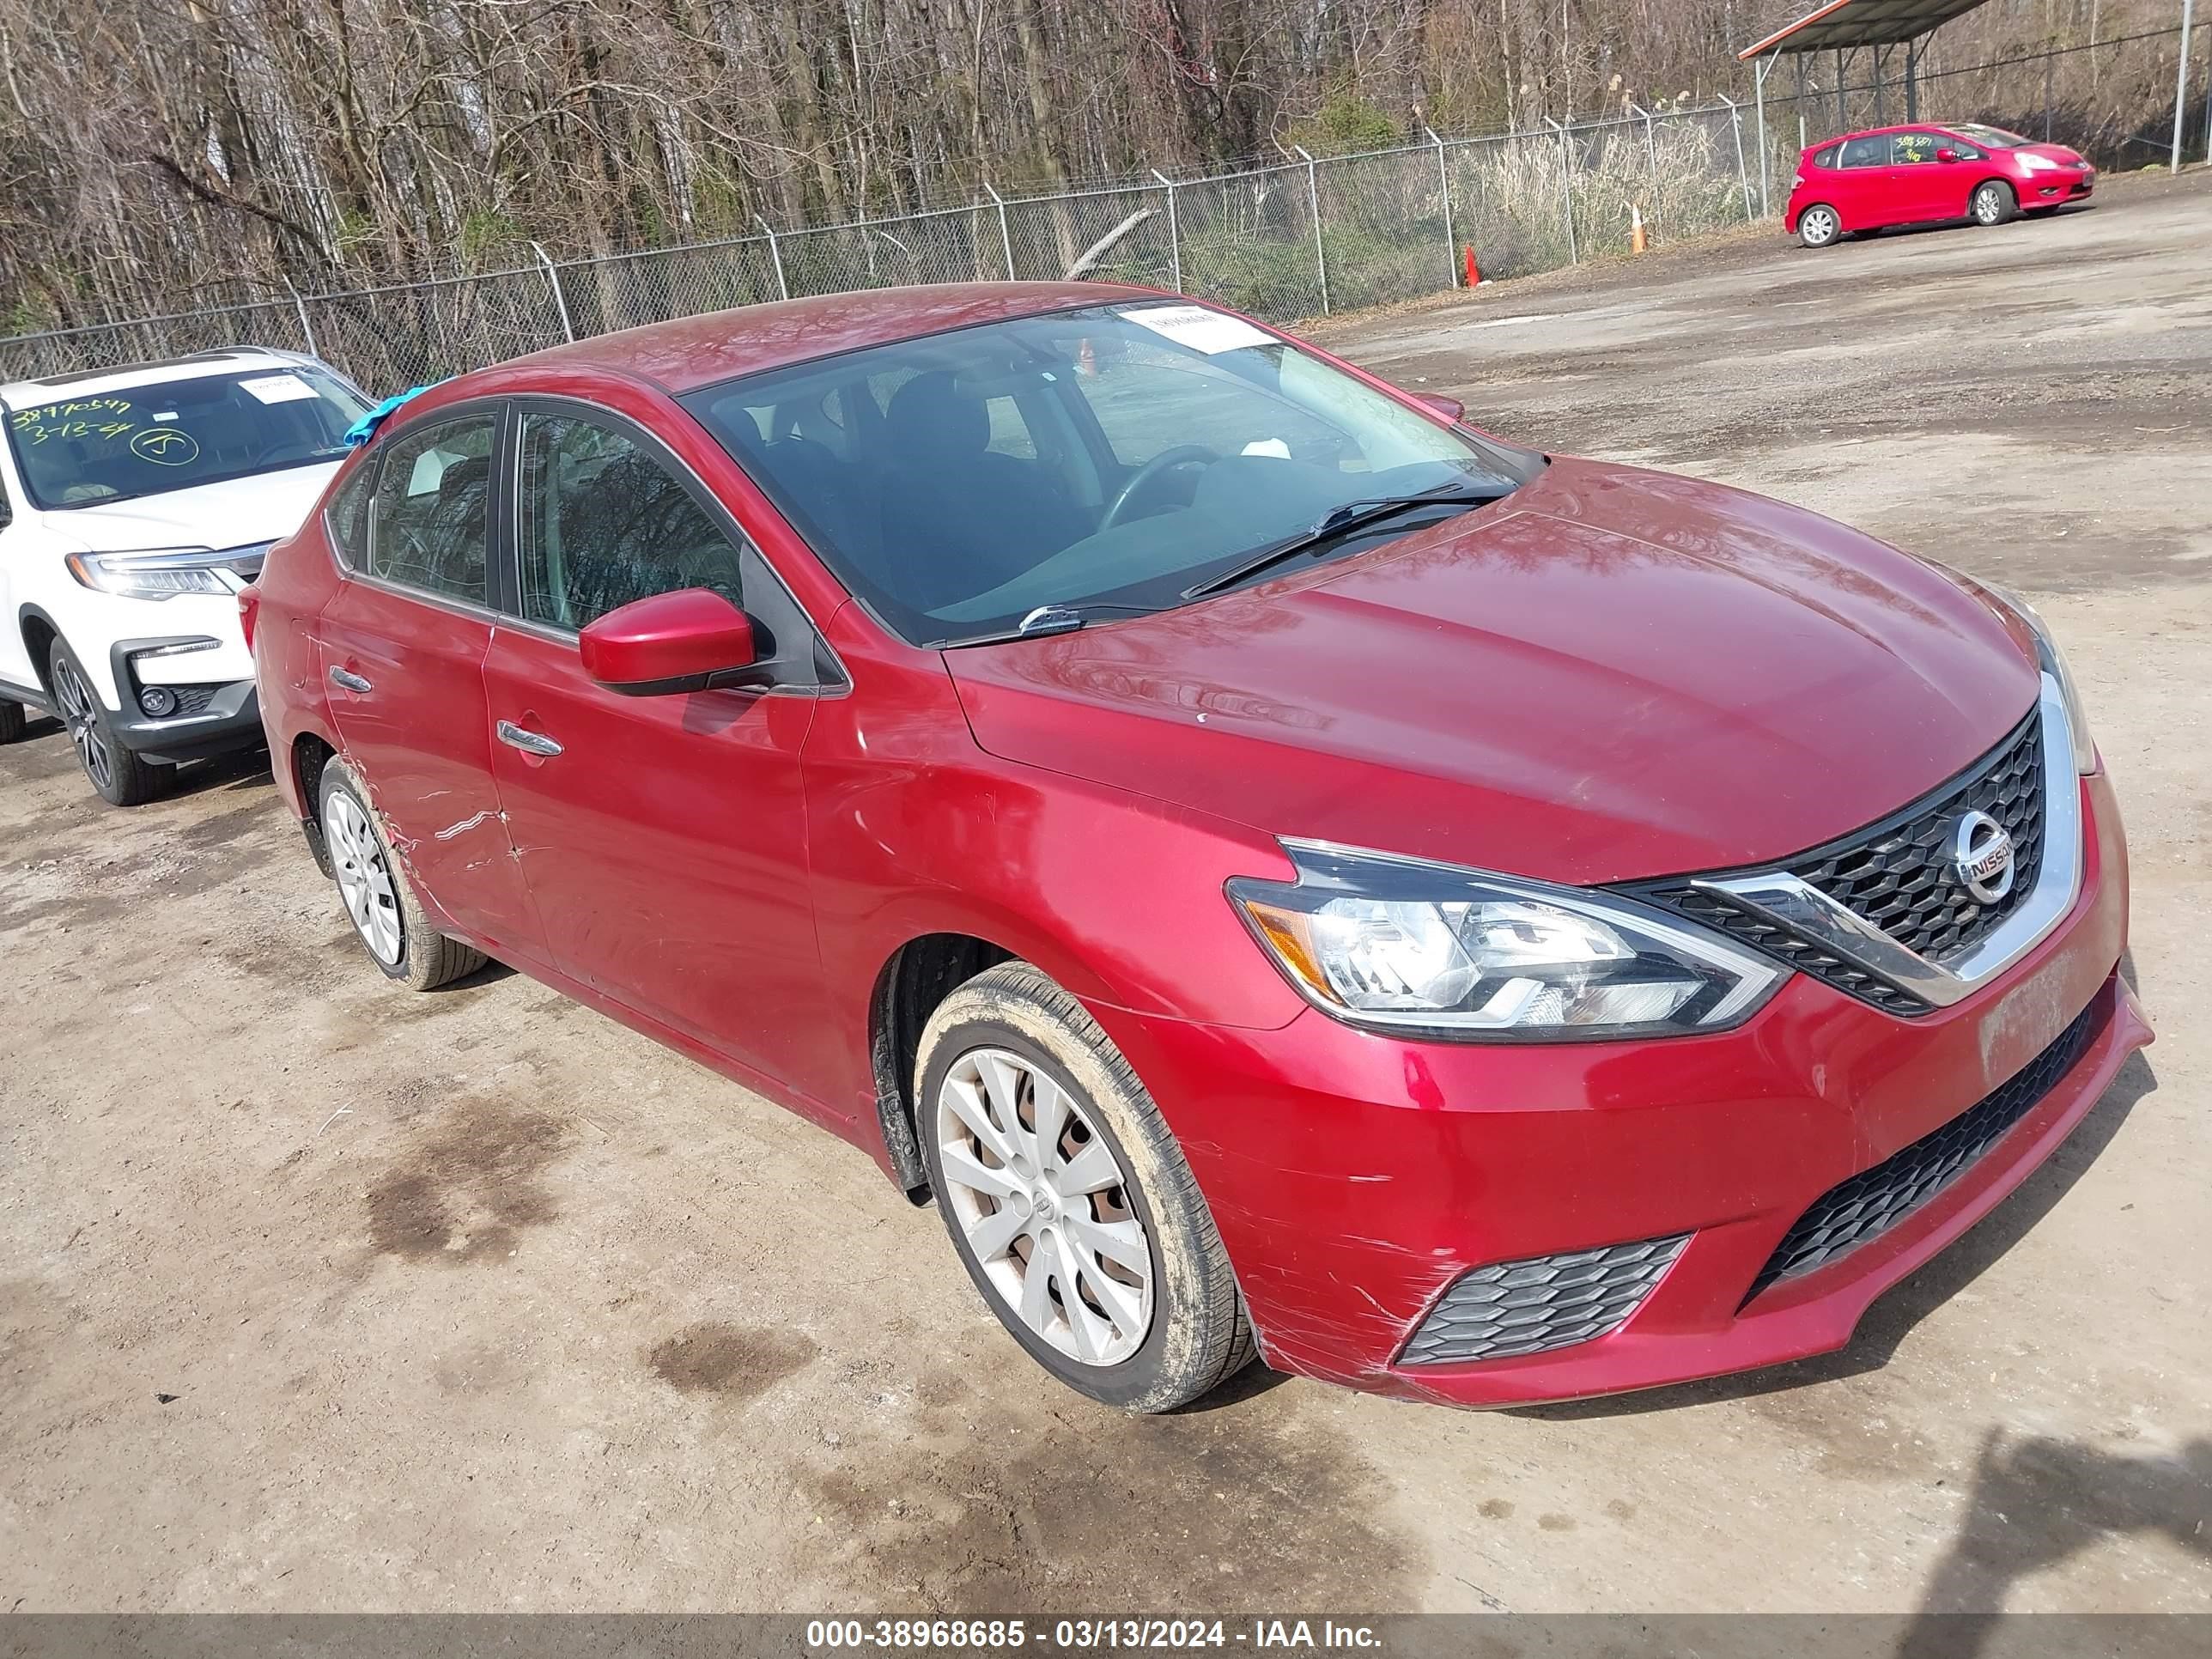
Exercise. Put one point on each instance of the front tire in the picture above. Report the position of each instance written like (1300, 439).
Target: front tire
(119, 775)
(1992, 203)
(1067, 1199)
(1818, 225)
(380, 901)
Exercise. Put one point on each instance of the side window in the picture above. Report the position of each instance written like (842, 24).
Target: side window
(1826, 158)
(431, 524)
(1968, 152)
(1910, 148)
(1867, 152)
(348, 517)
(1010, 432)
(603, 523)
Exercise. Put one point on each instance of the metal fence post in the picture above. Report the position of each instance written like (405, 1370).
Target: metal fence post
(774, 257)
(1313, 206)
(1443, 179)
(1175, 235)
(1759, 82)
(560, 299)
(1567, 186)
(1743, 176)
(2181, 81)
(1006, 236)
(299, 310)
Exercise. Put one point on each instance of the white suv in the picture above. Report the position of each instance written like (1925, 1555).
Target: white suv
(134, 504)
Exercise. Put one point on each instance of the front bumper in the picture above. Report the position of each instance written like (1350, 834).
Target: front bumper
(1356, 1179)
(213, 717)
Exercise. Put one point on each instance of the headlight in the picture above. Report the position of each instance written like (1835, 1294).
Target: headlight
(164, 572)
(1414, 947)
(2048, 657)
(2037, 164)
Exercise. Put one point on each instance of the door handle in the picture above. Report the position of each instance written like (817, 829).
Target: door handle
(346, 681)
(530, 743)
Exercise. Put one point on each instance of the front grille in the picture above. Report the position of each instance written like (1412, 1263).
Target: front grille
(1898, 874)
(1540, 1303)
(1873, 1201)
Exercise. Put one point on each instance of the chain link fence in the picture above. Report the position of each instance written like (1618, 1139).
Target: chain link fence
(1298, 239)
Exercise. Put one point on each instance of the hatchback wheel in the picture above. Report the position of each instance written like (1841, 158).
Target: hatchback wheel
(119, 775)
(1994, 203)
(1818, 226)
(1067, 1199)
(387, 916)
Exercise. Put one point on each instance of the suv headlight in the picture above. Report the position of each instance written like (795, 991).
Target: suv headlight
(163, 573)
(2048, 657)
(1408, 946)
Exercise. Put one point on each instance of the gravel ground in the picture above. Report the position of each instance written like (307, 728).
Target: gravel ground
(318, 1297)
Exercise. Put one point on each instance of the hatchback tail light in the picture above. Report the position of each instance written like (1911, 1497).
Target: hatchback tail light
(249, 611)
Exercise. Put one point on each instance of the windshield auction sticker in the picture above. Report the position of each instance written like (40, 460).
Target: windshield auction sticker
(1198, 328)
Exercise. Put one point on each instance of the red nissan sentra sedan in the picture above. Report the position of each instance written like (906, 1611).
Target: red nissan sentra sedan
(1277, 865)
(1921, 174)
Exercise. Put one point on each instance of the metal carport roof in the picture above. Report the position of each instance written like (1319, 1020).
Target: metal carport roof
(1843, 24)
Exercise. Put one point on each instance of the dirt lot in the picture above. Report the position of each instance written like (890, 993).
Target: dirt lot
(318, 1297)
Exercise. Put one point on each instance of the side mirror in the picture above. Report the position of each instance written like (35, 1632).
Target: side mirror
(688, 641)
(1947, 155)
(1450, 408)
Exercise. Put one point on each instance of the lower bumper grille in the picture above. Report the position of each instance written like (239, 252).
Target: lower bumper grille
(1540, 1303)
(1873, 1201)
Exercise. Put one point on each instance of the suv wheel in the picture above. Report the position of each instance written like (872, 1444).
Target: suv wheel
(119, 774)
(12, 722)
(387, 916)
(1067, 1199)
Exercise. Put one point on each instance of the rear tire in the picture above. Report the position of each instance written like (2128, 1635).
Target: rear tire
(1818, 225)
(379, 900)
(12, 722)
(118, 776)
(1088, 1240)
(1992, 203)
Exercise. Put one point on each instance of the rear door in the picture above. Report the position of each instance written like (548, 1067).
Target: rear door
(664, 838)
(1863, 184)
(402, 650)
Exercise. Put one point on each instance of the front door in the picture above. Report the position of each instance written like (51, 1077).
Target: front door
(664, 838)
(402, 648)
(1918, 179)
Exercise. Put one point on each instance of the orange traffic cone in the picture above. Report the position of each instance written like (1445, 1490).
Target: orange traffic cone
(1638, 241)
(1473, 271)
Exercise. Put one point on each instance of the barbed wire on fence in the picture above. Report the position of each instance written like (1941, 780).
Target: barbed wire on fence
(1281, 240)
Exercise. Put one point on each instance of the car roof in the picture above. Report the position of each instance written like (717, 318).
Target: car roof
(93, 382)
(691, 352)
(1902, 126)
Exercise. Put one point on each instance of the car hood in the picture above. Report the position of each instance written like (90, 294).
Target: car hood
(236, 513)
(2057, 153)
(1613, 673)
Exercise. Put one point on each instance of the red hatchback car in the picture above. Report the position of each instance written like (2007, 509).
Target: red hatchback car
(1276, 865)
(1919, 174)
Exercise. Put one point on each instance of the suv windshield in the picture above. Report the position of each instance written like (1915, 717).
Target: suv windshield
(1108, 458)
(1994, 137)
(98, 446)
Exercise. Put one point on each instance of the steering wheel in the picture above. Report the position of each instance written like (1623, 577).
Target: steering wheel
(1143, 477)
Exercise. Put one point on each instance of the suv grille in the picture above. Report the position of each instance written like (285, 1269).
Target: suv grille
(1540, 1302)
(1873, 1201)
(1898, 874)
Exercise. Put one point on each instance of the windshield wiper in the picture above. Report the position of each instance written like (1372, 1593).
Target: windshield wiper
(1340, 521)
(1047, 619)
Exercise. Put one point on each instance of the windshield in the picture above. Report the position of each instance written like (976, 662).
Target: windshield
(1994, 137)
(94, 447)
(1108, 458)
